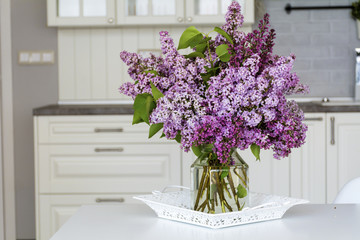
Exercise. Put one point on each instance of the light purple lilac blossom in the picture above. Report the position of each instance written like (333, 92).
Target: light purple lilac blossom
(244, 104)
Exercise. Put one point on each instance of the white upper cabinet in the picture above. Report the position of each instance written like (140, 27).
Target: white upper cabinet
(155, 12)
(142, 12)
(81, 12)
(149, 12)
(213, 11)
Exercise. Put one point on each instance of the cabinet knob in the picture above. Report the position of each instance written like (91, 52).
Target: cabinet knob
(180, 19)
(110, 20)
(189, 19)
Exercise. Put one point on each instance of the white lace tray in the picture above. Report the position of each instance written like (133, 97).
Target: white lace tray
(176, 206)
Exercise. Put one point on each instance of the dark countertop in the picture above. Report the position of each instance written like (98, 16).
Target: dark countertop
(127, 109)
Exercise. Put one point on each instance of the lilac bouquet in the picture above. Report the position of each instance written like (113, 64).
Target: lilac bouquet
(228, 93)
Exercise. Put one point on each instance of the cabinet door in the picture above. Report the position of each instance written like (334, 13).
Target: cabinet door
(343, 151)
(307, 163)
(81, 12)
(213, 11)
(55, 210)
(107, 168)
(145, 12)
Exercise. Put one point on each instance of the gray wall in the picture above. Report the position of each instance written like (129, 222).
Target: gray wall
(323, 41)
(33, 86)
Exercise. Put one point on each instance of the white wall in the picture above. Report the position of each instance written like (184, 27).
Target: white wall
(33, 86)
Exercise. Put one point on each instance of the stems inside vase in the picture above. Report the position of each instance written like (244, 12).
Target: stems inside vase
(221, 189)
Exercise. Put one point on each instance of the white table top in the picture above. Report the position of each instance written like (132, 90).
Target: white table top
(131, 221)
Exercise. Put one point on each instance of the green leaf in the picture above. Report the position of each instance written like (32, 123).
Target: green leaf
(156, 92)
(137, 118)
(223, 52)
(224, 34)
(255, 149)
(212, 70)
(152, 71)
(178, 137)
(143, 106)
(154, 128)
(241, 191)
(196, 150)
(201, 47)
(205, 40)
(190, 37)
(195, 54)
(162, 135)
(208, 148)
(206, 76)
(224, 173)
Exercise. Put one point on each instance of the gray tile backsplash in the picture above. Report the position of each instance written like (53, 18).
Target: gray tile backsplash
(323, 41)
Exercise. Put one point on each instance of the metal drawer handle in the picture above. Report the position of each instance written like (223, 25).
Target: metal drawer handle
(99, 200)
(120, 149)
(99, 130)
(332, 120)
(314, 119)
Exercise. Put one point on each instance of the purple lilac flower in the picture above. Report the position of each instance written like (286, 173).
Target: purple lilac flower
(243, 104)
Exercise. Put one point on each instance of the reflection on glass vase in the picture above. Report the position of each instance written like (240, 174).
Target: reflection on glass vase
(218, 188)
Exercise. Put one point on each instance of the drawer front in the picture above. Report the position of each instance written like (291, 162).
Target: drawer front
(92, 129)
(125, 168)
(55, 210)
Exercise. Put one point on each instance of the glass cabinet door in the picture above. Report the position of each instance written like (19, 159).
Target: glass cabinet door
(143, 12)
(81, 12)
(213, 11)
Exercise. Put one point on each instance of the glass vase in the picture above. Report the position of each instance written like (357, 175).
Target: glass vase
(217, 188)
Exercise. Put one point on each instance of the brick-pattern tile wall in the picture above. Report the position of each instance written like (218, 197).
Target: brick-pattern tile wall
(323, 41)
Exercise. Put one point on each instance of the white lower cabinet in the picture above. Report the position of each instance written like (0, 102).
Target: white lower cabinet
(308, 163)
(343, 148)
(108, 168)
(96, 160)
(55, 210)
(90, 159)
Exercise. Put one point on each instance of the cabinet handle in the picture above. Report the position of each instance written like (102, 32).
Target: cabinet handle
(100, 130)
(180, 19)
(189, 19)
(120, 149)
(99, 200)
(332, 120)
(110, 20)
(314, 119)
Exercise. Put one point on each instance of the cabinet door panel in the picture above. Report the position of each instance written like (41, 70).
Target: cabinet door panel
(343, 150)
(93, 129)
(108, 168)
(213, 11)
(308, 167)
(80, 12)
(55, 210)
(150, 12)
